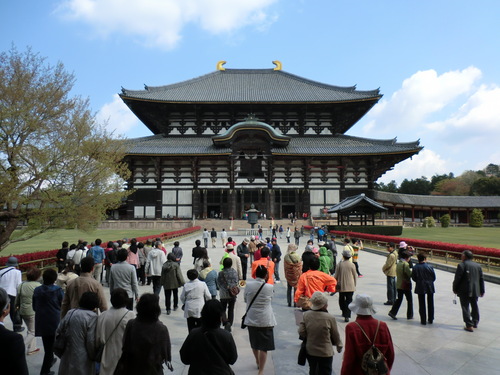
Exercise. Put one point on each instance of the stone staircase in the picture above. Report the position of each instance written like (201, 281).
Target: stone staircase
(237, 225)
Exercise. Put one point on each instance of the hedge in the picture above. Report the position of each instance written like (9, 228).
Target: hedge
(386, 230)
(49, 257)
(435, 245)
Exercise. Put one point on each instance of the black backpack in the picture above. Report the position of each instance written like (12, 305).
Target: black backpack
(112, 258)
(373, 361)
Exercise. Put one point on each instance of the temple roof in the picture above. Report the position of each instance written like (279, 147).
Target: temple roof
(338, 145)
(248, 86)
(357, 204)
(438, 200)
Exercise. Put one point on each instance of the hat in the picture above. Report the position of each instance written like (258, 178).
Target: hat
(242, 283)
(252, 238)
(347, 253)
(274, 239)
(292, 247)
(12, 262)
(321, 243)
(229, 247)
(403, 245)
(362, 305)
(318, 301)
(315, 250)
(246, 240)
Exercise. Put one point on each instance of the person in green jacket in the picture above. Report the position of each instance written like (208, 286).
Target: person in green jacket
(403, 286)
(324, 259)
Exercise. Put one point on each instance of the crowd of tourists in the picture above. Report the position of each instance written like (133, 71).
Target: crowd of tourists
(69, 310)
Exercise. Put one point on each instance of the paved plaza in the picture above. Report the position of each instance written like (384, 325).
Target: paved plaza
(439, 349)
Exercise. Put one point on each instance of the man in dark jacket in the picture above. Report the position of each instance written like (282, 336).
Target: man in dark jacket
(244, 253)
(469, 285)
(197, 251)
(276, 257)
(424, 276)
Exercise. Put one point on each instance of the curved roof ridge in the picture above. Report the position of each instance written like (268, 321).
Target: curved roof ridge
(392, 141)
(347, 89)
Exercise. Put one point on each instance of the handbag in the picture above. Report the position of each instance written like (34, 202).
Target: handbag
(301, 360)
(243, 325)
(304, 301)
(61, 340)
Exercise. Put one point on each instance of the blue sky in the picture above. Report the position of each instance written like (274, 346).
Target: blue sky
(436, 62)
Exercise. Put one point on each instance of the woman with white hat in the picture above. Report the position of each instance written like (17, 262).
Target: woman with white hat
(319, 330)
(362, 334)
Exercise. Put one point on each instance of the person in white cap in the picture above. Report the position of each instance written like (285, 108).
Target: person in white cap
(361, 334)
(10, 279)
(320, 331)
(236, 260)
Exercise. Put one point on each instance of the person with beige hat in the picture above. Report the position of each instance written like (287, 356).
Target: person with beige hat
(320, 332)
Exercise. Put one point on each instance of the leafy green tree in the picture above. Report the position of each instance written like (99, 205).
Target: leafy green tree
(438, 178)
(492, 170)
(419, 186)
(429, 222)
(456, 186)
(391, 187)
(486, 186)
(58, 167)
(476, 218)
(445, 220)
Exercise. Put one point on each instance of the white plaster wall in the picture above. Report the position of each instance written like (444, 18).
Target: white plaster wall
(185, 197)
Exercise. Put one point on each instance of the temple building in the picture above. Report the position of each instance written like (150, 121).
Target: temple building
(236, 137)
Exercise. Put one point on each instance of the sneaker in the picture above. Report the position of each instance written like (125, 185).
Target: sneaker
(468, 329)
(346, 320)
(168, 312)
(19, 329)
(392, 316)
(277, 282)
(388, 303)
(360, 276)
(34, 351)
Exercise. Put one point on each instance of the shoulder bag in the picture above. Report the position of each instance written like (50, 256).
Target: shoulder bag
(61, 338)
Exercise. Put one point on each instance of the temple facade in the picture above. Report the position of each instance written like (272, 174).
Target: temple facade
(236, 137)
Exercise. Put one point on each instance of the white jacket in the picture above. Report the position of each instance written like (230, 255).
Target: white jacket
(193, 296)
(155, 261)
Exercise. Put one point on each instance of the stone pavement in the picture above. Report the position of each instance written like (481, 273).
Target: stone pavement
(439, 349)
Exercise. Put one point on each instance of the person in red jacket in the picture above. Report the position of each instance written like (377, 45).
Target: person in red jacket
(356, 343)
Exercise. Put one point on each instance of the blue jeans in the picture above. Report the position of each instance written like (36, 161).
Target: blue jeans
(391, 289)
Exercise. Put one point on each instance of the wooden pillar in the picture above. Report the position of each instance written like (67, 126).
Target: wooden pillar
(412, 214)
(205, 204)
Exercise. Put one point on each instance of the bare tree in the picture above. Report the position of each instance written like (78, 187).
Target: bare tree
(59, 168)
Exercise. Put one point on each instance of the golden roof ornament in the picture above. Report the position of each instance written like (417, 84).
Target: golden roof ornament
(220, 65)
(278, 65)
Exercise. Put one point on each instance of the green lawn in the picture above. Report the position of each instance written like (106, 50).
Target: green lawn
(486, 237)
(53, 240)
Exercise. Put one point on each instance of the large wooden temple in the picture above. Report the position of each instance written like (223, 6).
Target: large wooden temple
(236, 137)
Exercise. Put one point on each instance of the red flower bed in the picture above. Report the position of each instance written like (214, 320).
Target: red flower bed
(435, 245)
(49, 257)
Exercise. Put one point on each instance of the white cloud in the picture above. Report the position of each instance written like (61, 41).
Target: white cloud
(160, 22)
(422, 95)
(456, 118)
(427, 163)
(117, 117)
